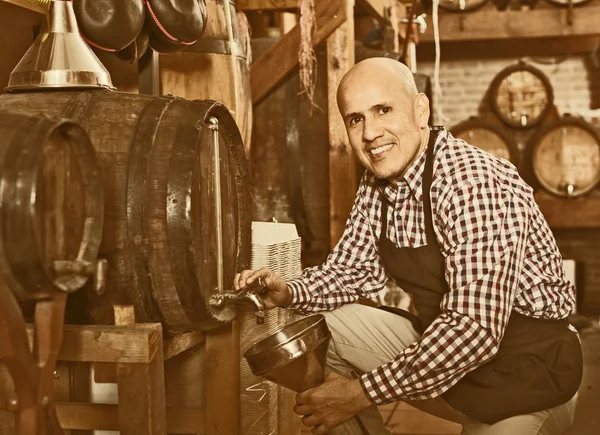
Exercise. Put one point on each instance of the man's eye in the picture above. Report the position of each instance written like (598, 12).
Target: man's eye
(385, 110)
(353, 121)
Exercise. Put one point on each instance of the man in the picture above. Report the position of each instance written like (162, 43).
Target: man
(458, 228)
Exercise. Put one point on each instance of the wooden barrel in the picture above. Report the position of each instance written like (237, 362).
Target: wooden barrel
(157, 160)
(521, 95)
(51, 205)
(565, 157)
(218, 64)
(487, 136)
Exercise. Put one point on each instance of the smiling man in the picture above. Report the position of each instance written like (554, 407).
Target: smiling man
(491, 347)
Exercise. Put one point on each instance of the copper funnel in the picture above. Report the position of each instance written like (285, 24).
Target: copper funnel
(293, 357)
(59, 57)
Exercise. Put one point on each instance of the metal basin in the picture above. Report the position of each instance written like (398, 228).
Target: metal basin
(294, 356)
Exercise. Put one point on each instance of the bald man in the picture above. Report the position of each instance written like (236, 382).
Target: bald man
(491, 347)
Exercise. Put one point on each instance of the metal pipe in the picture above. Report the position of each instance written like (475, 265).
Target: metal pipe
(214, 127)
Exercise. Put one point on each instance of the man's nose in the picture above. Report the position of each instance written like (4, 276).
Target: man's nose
(371, 130)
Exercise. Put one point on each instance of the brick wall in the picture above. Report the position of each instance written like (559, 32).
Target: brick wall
(464, 83)
(576, 84)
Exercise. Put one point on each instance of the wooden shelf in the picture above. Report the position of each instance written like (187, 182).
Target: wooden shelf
(491, 24)
(375, 8)
(581, 212)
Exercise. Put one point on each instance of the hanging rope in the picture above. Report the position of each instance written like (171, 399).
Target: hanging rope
(245, 35)
(307, 58)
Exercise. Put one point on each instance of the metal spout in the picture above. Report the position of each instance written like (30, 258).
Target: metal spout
(250, 293)
(59, 57)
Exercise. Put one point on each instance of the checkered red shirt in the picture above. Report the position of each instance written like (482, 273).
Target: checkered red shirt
(500, 255)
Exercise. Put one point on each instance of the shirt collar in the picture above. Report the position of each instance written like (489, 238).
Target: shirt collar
(410, 183)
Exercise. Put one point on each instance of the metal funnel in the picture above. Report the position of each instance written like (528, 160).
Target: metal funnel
(59, 57)
(293, 357)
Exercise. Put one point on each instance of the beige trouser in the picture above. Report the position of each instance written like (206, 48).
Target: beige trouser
(364, 338)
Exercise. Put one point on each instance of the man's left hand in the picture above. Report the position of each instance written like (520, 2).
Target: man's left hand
(333, 402)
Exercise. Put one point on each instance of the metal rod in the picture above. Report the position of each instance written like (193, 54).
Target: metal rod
(214, 127)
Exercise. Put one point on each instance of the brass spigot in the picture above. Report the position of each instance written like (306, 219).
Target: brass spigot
(251, 292)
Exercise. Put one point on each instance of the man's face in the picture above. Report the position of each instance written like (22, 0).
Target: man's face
(383, 125)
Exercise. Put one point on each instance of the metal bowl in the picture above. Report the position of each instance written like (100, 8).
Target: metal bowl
(294, 356)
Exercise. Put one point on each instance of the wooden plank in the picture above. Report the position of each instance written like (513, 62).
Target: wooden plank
(569, 213)
(342, 172)
(106, 373)
(222, 380)
(30, 5)
(272, 67)
(254, 5)
(100, 416)
(180, 343)
(378, 9)
(492, 24)
(510, 48)
(137, 343)
(142, 407)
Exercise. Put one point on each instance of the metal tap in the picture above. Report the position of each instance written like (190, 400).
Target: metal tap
(252, 292)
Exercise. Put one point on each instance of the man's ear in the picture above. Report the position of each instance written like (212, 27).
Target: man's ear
(422, 110)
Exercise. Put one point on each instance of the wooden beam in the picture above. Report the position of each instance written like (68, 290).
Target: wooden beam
(139, 343)
(342, 172)
(489, 24)
(100, 416)
(253, 5)
(569, 213)
(272, 67)
(180, 343)
(378, 9)
(510, 48)
(141, 390)
(31, 5)
(106, 373)
(222, 380)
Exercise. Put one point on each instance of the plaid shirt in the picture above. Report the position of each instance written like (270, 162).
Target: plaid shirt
(500, 255)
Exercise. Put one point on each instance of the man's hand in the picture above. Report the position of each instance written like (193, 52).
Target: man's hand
(333, 402)
(278, 292)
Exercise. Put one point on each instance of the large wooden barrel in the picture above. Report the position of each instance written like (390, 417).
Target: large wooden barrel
(157, 160)
(565, 157)
(217, 63)
(487, 136)
(51, 205)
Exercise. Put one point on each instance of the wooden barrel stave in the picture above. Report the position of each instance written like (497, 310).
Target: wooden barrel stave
(218, 60)
(157, 161)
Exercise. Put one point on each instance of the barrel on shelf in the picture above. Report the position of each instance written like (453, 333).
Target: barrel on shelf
(217, 63)
(521, 95)
(487, 136)
(565, 157)
(51, 205)
(157, 160)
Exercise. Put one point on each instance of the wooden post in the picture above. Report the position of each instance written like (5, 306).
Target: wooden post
(342, 172)
(222, 380)
(142, 408)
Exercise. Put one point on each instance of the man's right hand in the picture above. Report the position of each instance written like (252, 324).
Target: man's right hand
(278, 292)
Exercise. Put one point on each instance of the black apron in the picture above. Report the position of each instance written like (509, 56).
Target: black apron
(539, 363)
